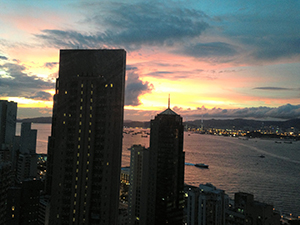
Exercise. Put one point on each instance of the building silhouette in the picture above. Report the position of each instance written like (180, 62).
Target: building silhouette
(27, 157)
(165, 201)
(138, 192)
(84, 150)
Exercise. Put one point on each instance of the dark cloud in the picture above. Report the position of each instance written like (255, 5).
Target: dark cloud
(50, 65)
(160, 73)
(275, 48)
(287, 111)
(17, 83)
(268, 34)
(3, 57)
(213, 51)
(275, 88)
(129, 67)
(41, 95)
(134, 88)
(131, 26)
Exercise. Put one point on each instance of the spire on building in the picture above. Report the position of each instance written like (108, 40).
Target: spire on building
(168, 111)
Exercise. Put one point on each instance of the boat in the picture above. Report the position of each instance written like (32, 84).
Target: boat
(261, 156)
(201, 165)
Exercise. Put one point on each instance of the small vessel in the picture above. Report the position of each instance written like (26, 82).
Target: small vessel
(201, 165)
(261, 156)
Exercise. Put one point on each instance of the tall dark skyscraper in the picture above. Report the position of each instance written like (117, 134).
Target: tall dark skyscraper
(166, 170)
(84, 150)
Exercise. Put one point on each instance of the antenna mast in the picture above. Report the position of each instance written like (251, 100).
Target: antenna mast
(169, 102)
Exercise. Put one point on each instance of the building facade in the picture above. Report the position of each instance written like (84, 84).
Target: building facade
(165, 201)
(8, 115)
(206, 205)
(138, 193)
(84, 150)
(27, 157)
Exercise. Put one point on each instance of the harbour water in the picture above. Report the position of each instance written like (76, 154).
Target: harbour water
(234, 165)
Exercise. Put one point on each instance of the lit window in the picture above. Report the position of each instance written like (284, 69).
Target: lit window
(88, 154)
(80, 115)
(86, 178)
(107, 163)
(81, 100)
(91, 107)
(91, 100)
(64, 122)
(81, 85)
(12, 216)
(76, 170)
(90, 131)
(78, 154)
(79, 139)
(66, 92)
(77, 162)
(57, 216)
(82, 92)
(75, 195)
(80, 123)
(74, 203)
(13, 208)
(78, 146)
(74, 211)
(79, 131)
(64, 114)
(106, 85)
(90, 123)
(73, 219)
(90, 115)
(75, 188)
(80, 107)
(91, 92)
(87, 171)
(111, 85)
(88, 162)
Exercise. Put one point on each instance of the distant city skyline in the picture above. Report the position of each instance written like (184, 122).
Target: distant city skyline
(216, 59)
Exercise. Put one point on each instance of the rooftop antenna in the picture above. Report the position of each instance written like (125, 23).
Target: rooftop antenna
(169, 102)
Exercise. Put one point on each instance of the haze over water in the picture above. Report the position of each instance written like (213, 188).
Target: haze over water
(234, 165)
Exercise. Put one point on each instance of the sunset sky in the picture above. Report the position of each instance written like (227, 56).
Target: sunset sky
(216, 58)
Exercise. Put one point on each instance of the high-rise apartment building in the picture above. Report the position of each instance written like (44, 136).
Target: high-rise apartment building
(84, 150)
(138, 192)
(206, 205)
(166, 170)
(8, 115)
(27, 158)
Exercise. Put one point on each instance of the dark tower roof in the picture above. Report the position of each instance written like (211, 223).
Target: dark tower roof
(168, 111)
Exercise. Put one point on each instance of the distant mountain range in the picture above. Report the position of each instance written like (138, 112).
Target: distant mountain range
(237, 124)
